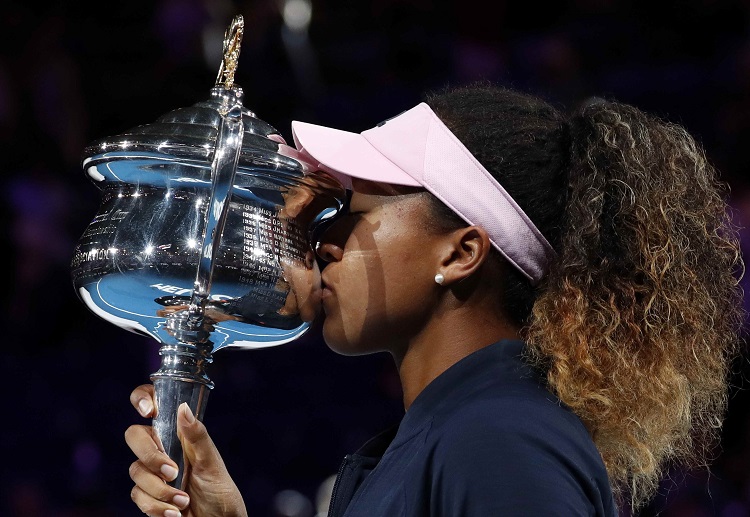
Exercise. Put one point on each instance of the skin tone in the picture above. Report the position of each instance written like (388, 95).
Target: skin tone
(379, 289)
(379, 295)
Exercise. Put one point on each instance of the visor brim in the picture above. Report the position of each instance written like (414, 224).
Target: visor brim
(348, 154)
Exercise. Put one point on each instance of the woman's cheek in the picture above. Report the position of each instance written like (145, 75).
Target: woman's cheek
(344, 326)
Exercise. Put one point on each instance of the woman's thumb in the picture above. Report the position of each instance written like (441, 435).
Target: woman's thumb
(196, 443)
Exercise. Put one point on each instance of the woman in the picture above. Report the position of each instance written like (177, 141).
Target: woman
(559, 295)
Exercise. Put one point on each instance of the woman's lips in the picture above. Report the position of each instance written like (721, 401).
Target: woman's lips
(327, 290)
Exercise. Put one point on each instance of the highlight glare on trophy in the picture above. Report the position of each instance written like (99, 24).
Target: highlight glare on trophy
(203, 238)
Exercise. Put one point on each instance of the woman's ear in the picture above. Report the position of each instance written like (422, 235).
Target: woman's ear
(466, 249)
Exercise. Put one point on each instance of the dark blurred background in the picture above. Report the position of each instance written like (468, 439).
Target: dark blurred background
(284, 417)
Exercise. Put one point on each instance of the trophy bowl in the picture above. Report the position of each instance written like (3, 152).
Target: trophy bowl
(138, 260)
(203, 239)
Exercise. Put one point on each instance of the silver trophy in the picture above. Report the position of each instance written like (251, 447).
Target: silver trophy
(203, 239)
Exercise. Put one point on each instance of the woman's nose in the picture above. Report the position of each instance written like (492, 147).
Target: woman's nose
(329, 252)
(332, 237)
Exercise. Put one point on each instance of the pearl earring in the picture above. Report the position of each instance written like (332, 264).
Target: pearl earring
(439, 278)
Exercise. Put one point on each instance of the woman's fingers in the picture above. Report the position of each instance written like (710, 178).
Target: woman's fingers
(142, 399)
(157, 507)
(211, 487)
(141, 441)
(152, 495)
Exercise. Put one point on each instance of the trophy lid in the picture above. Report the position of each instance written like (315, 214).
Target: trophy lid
(188, 136)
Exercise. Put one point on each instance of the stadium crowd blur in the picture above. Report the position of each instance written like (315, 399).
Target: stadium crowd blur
(284, 417)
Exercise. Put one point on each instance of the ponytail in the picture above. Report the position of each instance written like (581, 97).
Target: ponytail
(638, 320)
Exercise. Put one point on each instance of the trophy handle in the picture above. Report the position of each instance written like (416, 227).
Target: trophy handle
(223, 170)
(182, 376)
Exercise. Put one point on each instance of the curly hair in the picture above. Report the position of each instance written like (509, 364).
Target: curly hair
(638, 320)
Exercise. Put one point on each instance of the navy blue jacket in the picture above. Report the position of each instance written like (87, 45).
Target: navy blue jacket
(485, 438)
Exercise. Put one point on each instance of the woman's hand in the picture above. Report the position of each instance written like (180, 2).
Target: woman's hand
(210, 490)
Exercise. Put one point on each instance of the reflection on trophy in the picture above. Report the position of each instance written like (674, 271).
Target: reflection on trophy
(203, 239)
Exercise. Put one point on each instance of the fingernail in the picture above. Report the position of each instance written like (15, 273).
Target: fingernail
(181, 500)
(189, 413)
(145, 407)
(172, 513)
(169, 472)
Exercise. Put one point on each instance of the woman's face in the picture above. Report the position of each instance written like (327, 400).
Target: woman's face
(378, 285)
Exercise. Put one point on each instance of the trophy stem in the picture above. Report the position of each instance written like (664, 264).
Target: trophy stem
(181, 378)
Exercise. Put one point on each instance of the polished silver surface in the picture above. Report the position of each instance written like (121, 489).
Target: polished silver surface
(181, 378)
(203, 238)
(152, 241)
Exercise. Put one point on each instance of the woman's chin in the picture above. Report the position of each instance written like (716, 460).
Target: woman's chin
(337, 340)
(340, 346)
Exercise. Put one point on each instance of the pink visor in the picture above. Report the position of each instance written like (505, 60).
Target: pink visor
(415, 148)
